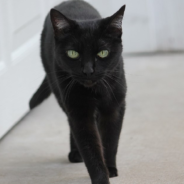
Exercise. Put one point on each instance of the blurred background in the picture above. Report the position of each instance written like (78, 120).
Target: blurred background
(149, 26)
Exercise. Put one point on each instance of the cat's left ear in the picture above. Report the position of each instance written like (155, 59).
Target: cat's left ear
(61, 24)
(114, 26)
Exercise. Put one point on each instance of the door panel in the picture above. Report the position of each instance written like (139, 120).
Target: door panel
(21, 71)
(22, 12)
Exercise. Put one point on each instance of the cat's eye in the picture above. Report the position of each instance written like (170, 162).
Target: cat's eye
(103, 53)
(72, 54)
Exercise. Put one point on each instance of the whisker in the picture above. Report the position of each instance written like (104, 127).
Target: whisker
(70, 88)
(67, 88)
(103, 82)
(115, 81)
(111, 90)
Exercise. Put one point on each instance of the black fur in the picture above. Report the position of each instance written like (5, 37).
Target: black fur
(91, 90)
(41, 94)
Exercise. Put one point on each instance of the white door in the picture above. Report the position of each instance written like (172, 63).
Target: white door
(21, 71)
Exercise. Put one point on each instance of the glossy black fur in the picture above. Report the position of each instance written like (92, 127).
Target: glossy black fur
(90, 90)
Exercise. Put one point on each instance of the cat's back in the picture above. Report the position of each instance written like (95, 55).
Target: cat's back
(74, 9)
(78, 10)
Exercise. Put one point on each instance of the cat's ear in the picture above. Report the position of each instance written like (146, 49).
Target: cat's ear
(114, 26)
(60, 23)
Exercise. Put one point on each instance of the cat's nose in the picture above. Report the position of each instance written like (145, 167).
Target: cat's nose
(88, 69)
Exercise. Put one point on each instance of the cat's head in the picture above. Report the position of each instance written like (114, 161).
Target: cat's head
(88, 50)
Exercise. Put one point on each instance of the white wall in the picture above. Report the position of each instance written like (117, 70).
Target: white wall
(149, 25)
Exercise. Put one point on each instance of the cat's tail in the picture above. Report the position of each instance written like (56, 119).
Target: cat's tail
(41, 94)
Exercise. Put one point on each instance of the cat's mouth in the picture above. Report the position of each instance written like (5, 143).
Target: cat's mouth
(88, 83)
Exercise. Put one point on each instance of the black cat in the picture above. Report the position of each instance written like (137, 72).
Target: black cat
(82, 58)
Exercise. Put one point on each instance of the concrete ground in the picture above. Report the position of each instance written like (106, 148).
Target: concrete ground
(151, 149)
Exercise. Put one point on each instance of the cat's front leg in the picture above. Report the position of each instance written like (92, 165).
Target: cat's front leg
(110, 127)
(88, 142)
(74, 156)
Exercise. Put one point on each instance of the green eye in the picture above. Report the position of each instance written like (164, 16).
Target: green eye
(103, 53)
(72, 54)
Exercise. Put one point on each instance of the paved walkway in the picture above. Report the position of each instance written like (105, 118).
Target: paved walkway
(151, 149)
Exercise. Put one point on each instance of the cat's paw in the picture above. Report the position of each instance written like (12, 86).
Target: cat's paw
(75, 157)
(113, 172)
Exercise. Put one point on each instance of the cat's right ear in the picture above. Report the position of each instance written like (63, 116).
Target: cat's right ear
(61, 24)
(114, 23)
